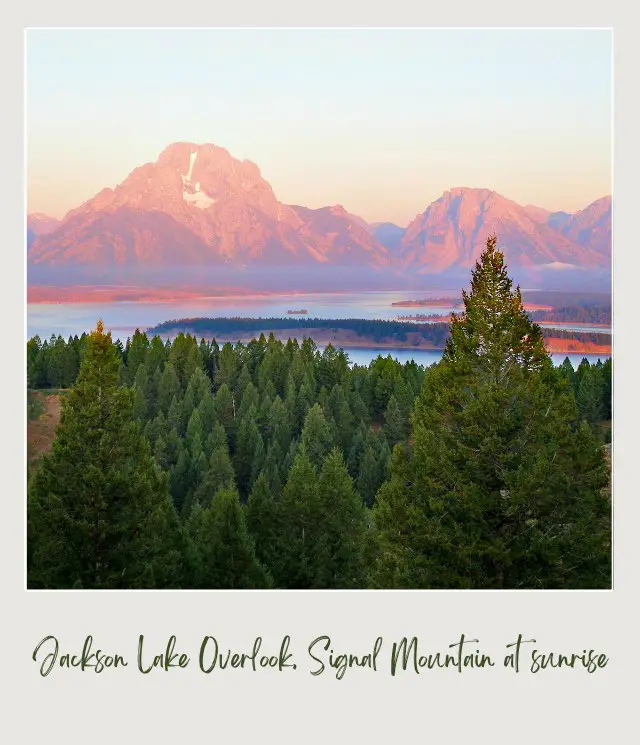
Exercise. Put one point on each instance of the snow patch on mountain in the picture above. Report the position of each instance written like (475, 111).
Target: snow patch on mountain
(558, 266)
(192, 162)
(198, 198)
(191, 192)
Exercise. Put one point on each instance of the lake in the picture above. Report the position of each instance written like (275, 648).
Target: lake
(74, 318)
(364, 355)
(122, 318)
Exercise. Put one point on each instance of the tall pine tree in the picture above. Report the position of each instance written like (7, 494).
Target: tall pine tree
(503, 487)
(99, 512)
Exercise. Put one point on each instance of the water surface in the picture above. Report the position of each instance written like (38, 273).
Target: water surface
(122, 318)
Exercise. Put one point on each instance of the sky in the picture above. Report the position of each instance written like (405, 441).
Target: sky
(379, 121)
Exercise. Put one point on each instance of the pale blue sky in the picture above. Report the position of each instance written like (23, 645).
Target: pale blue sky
(381, 121)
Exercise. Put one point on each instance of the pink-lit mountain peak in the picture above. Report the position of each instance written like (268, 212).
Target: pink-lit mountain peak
(197, 204)
(209, 162)
(453, 230)
(592, 226)
(192, 183)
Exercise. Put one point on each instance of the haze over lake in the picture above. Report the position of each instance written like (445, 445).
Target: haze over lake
(122, 318)
(73, 318)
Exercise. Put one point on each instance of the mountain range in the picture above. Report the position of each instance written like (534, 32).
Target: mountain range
(196, 206)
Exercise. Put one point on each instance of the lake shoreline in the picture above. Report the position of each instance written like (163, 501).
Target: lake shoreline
(554, 345)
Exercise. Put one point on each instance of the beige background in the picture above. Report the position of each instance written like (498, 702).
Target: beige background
(491, 705)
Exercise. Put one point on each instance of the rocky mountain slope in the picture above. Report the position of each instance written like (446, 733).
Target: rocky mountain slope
(196, 205)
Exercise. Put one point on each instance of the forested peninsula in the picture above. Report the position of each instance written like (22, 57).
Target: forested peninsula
(358, 332)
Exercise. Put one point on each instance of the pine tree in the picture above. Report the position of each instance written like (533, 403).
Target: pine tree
(342, 526)
(263, 521)
(227, 369)
(278, 424)
(298, 540)
(248, 437)
(607, 389)
(342, 417)
(136, 354)
(226, 551)
(290, 456)
(242, 382)
(180, 481)
(217, 438)
(156, 356)
(316, 435)
(250, 398)
(160, 453)
(567, 371)
(99, 513)
(169, 388)
(257, 465)
(369, 475)
(194, 435)
(274, 468)
(198, 389)
(179, 356)
(304, 402)
(356, 452)
(219, 475)
(333, 367)
(207, 411)
(273, 369)
(176, 416)
(502, 485)
(384, 461)
(71, 365)
(395, 424)
(226, 411)
(194, 363)
(140, 405)
(590, 395)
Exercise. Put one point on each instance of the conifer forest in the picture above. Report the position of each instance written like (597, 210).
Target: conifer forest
(274, 465)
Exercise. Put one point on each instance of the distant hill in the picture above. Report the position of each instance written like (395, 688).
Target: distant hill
(39, 224)
(453, 231)
(388, 234)
(591, 227)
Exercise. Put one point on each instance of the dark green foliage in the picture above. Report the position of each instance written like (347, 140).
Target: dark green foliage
(305, 440)
(225, 551)
(263, 521)
(316, 435)
(249, 440)
(99, 513)
(503, 487)
(135, 355)
(219, 474)
(298, 544)
(274, 469)
(607, 389)
(198, 389)
(207, 411)
(249, 398)
(227, 368)
(342, 525)
(314, 535)
(369, 475)
(216, 438)
(600, 314)
(225, 409)
(169, 388)
(395, 424)
(590, 394)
